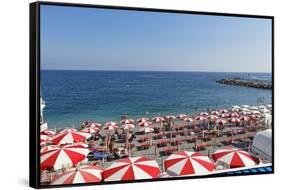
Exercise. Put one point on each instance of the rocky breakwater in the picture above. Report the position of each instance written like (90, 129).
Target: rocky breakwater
(246, 83)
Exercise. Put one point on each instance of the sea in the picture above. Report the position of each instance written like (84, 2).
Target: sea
(74, 96)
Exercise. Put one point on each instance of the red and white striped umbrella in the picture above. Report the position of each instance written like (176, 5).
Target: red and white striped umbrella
(223, 111)
(49, 147)
(128, 126)
(110, 127)
(111, 123)
(59, 157)
(77, 145)
(48, 132)
(233, 158)
(68, 137)
(95, 125)
(235, 110)
(132, 168)
(244, 118)
(203, 114)
(212, 117)
(200, 118)
(143, 119)
(158, 119)
(188, 119)
(221, 121)
(127, 121)
(234, 120)
(185, 163)
(234, 114)
(145, 124)
(43, 139)
(182, 116)
(146, 129)
(170, 117)
(215, 113)
(67, 130)
(90, 130)
(82, 174)
(224, 115)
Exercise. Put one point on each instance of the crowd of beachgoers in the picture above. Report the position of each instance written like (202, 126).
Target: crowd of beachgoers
(151, 148)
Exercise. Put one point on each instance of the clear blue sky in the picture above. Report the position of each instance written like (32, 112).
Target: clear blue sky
(99, 39)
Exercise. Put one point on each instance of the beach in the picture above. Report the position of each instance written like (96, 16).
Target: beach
(201, 133)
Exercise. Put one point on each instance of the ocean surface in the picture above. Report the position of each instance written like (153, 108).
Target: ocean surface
(74, 96)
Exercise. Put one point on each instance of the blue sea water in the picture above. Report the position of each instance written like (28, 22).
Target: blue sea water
(74, 96)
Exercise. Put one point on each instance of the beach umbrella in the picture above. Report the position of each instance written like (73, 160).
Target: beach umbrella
(223, 111)
(69, 137)
(188, 119)
(146, 130)
(236, 107)
(254, 108)
(245, 106)
(77, 145)
(132, 168)
(158, 119)
(212, 117)
(110, 127)
(67, 130)
(244, 118)
(255, 112)
(49, 147)
(59, 157)
(142, 119)
(203, 114)
(81, 174)
(234, 114)
(95, 125)
(170, 117)
(127, 121)
(245, 113)
(233, 158)
(200, 118)
(221, 121)
(235, 110)
(111, 123)
(90, 130)
(215, 113)
(48, 132)
(128, 126)
(181, 116)
(224, 115)
(43, 139)
(269, 106)
(234, 120)
(145, 123)
(186, 163)
(245, 109)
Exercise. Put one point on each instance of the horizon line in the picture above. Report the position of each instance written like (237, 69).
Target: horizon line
(155, 71)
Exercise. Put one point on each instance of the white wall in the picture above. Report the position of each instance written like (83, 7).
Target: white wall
(14, 91)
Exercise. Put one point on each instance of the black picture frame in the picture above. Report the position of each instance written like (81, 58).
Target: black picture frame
(34, 88)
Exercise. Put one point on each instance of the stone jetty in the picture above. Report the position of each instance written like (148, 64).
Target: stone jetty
(245, 83)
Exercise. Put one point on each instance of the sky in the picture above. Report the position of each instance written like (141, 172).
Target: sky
(77, 38)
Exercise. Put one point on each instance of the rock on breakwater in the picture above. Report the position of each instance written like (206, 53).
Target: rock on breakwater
(245, 83)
